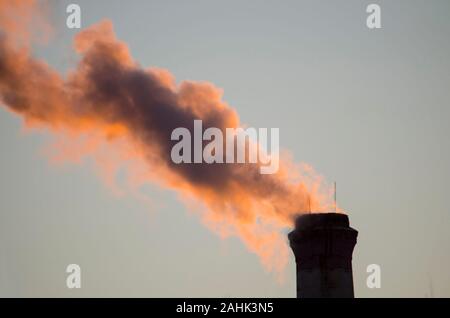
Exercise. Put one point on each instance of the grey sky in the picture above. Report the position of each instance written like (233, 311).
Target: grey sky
(367, 108)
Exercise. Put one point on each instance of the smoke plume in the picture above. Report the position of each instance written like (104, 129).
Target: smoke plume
(111, 109)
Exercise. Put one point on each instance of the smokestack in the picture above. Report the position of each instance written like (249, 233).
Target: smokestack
(323, 245)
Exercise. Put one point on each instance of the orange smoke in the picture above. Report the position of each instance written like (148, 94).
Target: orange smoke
(110, 109)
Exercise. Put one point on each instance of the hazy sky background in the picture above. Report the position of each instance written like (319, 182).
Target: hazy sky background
(367, 108)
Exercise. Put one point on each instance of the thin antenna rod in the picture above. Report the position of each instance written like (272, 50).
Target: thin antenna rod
(335, 200)
(431, 286)
(309, 203)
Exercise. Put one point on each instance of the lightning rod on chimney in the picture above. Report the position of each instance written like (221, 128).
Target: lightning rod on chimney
(309, 203)
(335, 201)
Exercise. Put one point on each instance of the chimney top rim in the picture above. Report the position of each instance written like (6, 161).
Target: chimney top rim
(321, 220)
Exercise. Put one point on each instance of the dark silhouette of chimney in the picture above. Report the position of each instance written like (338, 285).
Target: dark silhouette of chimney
(323, 245)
